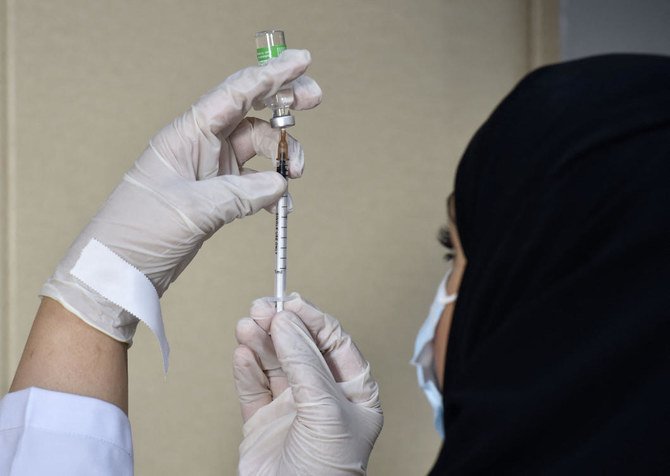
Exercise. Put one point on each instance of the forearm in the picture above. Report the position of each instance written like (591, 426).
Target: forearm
(65, 354)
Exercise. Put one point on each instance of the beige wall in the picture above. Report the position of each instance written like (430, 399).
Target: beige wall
(406, 83)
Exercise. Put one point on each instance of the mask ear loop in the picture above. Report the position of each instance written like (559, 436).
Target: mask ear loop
(448, 299)
(445, 298)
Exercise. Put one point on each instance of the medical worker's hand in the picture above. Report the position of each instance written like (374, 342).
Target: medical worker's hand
(309, 402)
(189, 182)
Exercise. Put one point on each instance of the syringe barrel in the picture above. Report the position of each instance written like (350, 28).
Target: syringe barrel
(281, 252)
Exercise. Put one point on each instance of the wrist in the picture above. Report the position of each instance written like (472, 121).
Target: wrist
(90, 307)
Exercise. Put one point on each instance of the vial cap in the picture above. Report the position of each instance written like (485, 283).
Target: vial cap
(282, 121)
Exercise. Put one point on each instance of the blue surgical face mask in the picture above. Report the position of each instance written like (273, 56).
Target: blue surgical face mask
(424, 355)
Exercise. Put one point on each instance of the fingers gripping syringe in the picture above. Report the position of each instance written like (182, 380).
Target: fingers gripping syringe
(270, 44)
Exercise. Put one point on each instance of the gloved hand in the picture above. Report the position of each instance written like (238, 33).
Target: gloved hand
(189, 181)
(309, 402)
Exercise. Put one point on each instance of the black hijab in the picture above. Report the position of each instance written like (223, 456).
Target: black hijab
(559, 355)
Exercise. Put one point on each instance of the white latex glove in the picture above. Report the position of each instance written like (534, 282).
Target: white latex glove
(308, 400)
(189, 181)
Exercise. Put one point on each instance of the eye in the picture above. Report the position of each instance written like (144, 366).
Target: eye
(444, 237)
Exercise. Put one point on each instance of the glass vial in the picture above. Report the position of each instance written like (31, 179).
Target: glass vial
(270, 44)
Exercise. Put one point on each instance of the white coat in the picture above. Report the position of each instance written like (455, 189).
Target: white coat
(52, 433)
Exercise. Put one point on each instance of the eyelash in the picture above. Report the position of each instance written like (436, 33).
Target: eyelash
(444, 237)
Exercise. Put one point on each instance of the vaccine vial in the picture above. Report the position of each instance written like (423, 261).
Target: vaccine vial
(270, 44)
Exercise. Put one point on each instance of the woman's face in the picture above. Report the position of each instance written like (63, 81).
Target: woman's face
(449, 237)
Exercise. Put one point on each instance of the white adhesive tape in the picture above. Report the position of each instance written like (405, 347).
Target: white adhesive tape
(121, 283)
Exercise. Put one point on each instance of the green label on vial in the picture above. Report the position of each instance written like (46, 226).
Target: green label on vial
(264, 54)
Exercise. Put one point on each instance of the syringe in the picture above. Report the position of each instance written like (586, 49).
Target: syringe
(270, 44)
(281, 225)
